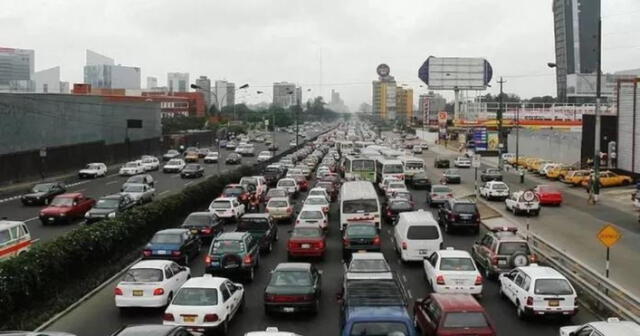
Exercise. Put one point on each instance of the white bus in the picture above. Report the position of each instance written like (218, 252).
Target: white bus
(389, 167)
(344, 147)
(359, 203)
(412, 165)
(360, 168)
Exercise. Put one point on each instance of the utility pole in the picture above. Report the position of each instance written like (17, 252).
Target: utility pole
(499, 117)
(596, 152)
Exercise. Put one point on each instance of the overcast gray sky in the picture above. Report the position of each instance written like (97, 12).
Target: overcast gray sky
(319, 44)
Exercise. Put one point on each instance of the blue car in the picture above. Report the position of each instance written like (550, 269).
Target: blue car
(179, 245)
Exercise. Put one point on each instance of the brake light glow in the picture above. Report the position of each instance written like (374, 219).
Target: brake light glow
(210, 317)
(346, 242)
(404, 245)
(440, 280)
(533, 258)
(167, 317)
(207, 259)
(247, 259)
(529, 301)
(478, 280)
(206, 230)
(176, 253)
(118, 291)
(146, 253)
(158, 291)
(376, 240)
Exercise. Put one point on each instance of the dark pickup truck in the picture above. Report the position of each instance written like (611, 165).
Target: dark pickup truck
(262, 229)
(272, 173)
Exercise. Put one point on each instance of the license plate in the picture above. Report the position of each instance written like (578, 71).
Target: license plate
(423, 251)
(306, 246)
(161, 252)
(51, 219)
(554, 303)
(502, 262)
(188, 318)
(288, 309)
(459, 282)
(215, 263)
(465, 216)
(194, 231)
(137, 293)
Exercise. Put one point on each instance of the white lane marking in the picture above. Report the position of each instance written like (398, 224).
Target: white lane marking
(30, 219)
(111, 182)
(188, 183)
(404, 278)
(10, 198)
(78, 183)
(409, 293)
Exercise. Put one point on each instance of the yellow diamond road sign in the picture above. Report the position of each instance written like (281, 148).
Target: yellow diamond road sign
(609, 235)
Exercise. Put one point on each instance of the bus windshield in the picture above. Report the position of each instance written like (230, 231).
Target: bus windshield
(362, 165)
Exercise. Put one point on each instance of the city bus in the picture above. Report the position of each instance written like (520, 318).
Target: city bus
(412, 165)
(359, 168)
(359, 203)
(344, 147)
(389, 167)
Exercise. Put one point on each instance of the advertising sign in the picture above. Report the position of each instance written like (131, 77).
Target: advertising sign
(480, 139)
(492, 141)
(456, 73)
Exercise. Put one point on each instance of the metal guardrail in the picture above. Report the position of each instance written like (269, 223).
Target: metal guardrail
(607, 295)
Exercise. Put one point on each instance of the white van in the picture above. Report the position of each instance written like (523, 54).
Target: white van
(358, 203)
(14, 238)
(417, 235)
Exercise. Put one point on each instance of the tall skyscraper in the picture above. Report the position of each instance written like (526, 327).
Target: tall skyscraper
(404, 104)
(205, 86)
(178, 81)
(576, 31)
(225, 94)
(152, 82)
(16, 68)
(231, 94)
(286, 94)
(101, 72)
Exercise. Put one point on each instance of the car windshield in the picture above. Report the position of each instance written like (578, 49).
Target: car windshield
(290, 279)
(414, 165)
(361, 230)
(378, 329)
(197, 220)
(134, 188)
(465, 320)
(233, 191)
(167, 238)
(392, 169)
(316, 201)
(191, 167)
(228, 246)
(465, 208)
(401, 205)
(311, 214)
(173, 152)
(174, 162)
(196, 297)
(368, 265)
(131, 165)
(221, 205)
(286, 183)
(457, 264)
(143, 275)
(62, 202)
(277, 204)
(253, 225)
(553, 287)
(107, 203)
(136, 179)
(441, 190)
(306, 232)
(509, 248)
(360, 206)
(422, 232)
(44, 187)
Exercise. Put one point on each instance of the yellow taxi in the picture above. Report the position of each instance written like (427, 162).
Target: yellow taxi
(535, 166)
(610, 179)
(575, 177)
(531, 162)
(191, 157)
(559, 172)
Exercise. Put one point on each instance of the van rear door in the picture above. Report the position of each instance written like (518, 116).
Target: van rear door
(422, 240)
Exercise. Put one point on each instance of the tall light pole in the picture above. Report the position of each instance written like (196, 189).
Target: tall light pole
(244, 86)
(219, 101)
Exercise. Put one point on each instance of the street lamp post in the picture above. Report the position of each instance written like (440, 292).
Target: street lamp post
(219, 101)
(235, 116)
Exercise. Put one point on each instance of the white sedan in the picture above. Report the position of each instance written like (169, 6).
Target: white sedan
(453, 271)
(150, 163)
(205, 304)
(150, 283)
(174, 166)
(132, 168)
(494, 189)
(139, 192)
(264, 156)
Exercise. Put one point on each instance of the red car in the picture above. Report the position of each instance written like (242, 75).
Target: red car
(306, 241)
(66, 208)
(548, 194)
(457, 314)
(303, 184)
(238, 191)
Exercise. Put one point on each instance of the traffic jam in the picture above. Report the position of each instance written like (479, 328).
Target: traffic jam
(414, 257)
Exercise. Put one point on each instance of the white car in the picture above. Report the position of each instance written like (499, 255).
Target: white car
(205, 304)
(231, 145)
(264, 156)
(93, 170)
(270, 331)
(319, 192)
(139, 192)
(453, 271)
(150, 163)
(322, 171)
(416, 235)
(368, 265)
(174, 166)
(212, 157)
(292, 143)
(462, 162)
(312, 216)
(386, 181)
(417, 149)
(294, 172)
(132, 168)
(523, 202)
(494, 190)
(395, 186)
(611, 327)
(290, 185)
(538, 291)
(318, 201)
(227, 208)
(258, 182)
(150, 283)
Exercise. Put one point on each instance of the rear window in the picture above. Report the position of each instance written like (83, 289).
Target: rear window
(167, 238)
(401, 205)
(378, 329)
(457, 264)
(306, 232)
(253, 224)
(235, 191)
(368, 265)
(360, 206)
(499, 186)
(287, 183)
(465, 320)
(465, 208)
(316, 201)
(311, 215)
(422, 232)
(513, 247)
(277, 204)
(414, 165)
(227, 246)
(440, 190)
(197, 220)
(196, 297)
(291, 278)
(143, 275)
(361, 230)
(553, 287)
(221, 205)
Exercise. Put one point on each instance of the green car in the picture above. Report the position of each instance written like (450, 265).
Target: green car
(232, 254)
(261, 228)
(293, 288)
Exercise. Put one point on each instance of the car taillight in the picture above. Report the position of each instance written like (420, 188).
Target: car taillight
(440, 280)
(210, 317)
(291, 245)
(376, 240)
(146, 253)
(289, 210)
(529, 300)
(158, 291)
(494, 260)
(434, 194)
(117, 291)
(320, 244)
(346, 242)
(167, 317)
(325, 209)
(449, 195)
(404, 245)
(207, 259)
(478, 280)
(176, 253)
(206, 230)
(247, 259)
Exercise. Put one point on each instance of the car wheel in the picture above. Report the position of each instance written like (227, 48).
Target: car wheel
(519, 312)
(169, 298)
(224, 327)
(185, 261)
(251, 274)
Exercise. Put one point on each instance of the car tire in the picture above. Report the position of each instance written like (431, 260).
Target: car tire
(487, 273)
(520, 313)
(251, 274)
(169, 298)
(185, 260)
(223, 330)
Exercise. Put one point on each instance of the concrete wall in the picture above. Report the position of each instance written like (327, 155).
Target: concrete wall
(560, 146)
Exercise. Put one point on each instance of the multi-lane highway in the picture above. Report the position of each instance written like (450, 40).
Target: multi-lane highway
(98, 315)
(95, 188)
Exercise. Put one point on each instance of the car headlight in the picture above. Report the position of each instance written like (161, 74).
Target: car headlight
(87, 215)
(111, 215)
(62, 214)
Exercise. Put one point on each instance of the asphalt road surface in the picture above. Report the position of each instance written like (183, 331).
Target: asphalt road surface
(96, 188)
(99, 316)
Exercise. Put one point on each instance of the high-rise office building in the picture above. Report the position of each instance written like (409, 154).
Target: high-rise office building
(384, 98)
(576, 31)
(231, 94)
(47, 81)
(224, 94)
(204, 84)
(152, 82)
(16, 69)
(404, 104)
(178, 81)
(336, 103)
(102, 73)
(286, 94)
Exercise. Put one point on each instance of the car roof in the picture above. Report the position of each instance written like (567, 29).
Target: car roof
(368, 256)
(616, 327)
(279, 199)
(463, 201)
(457, 302)
(453, 253)
(418, 217)
(204, 281)
(200, 213)
(5, 224)
(232, 235)
(151, 264)
(536, 271)
(289, 266)
(225, 199)
(175, 230)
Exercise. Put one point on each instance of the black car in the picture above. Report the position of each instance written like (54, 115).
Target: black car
(151, 329)
(203, 224)
(192, 170)
(293, 288)
(360, 237)
(456, 213)
(43, 193)
(396, 206)
(490, 174)
(452, 176)
(179, 245)
(420, 181)
(233, 253)
(109, 207)
(272, 173)
(262, 229)
(442, 163)
(233, 158)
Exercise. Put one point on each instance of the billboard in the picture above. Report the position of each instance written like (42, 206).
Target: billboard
(492, 141)
(480, 139)
(456, 73)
